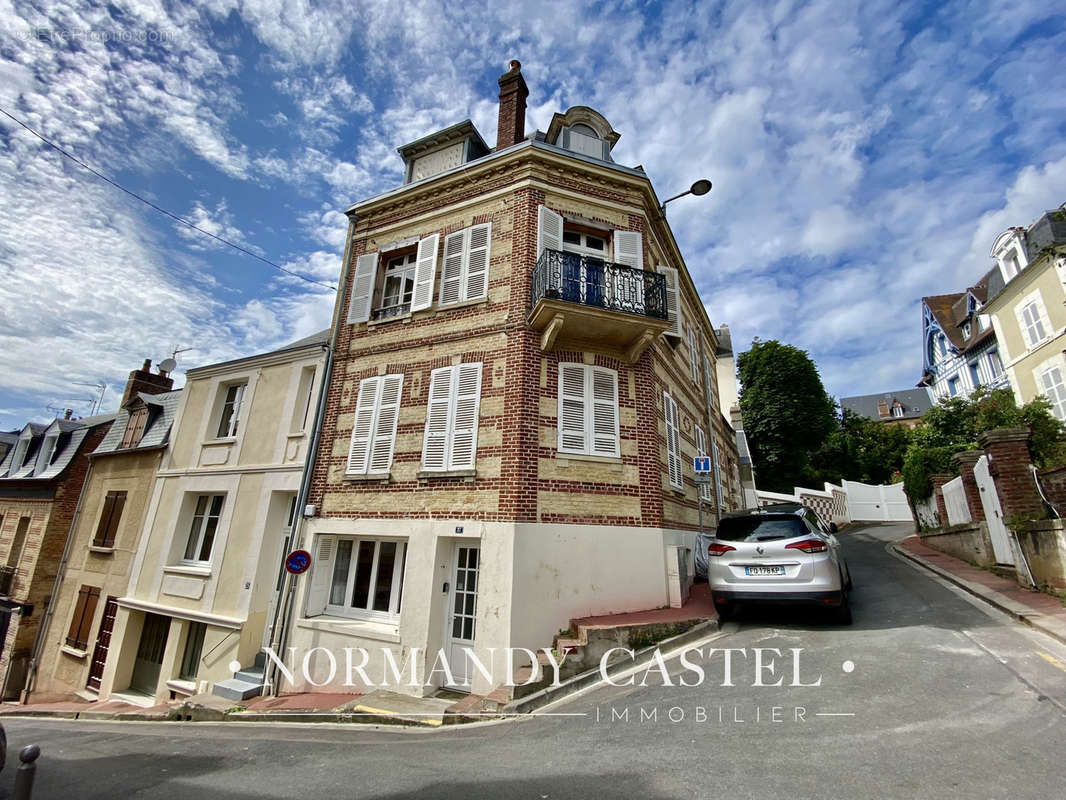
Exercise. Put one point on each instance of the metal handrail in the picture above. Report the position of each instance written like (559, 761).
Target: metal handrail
(589, 281)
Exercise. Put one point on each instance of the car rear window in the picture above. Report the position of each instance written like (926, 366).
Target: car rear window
(760, 529)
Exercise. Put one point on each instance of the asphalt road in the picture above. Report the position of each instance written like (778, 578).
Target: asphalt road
(944, 698)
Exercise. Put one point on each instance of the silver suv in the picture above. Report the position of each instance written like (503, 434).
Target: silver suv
(777, 554)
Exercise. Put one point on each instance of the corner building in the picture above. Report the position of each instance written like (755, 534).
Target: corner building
(523, 372)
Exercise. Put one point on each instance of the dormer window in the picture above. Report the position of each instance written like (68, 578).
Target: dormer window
(48, 449)
(966, 330)
(19, 456)
(584, 140)
(584, 131)
(1009, 250)
(898, 410)
(131, 437)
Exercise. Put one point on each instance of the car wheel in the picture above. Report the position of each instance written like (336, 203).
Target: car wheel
(843, 611)
(725, 611)
(848, 585)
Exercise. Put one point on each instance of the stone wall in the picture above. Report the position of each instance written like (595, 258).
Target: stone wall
(967, 542)
(1044, 544)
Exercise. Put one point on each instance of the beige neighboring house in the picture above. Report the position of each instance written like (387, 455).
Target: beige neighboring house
(1026, 297)
(205, 573)
(72, 648)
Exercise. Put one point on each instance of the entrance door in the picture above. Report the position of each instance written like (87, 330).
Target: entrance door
(103, 642)
(149, 659)
(997, 529)
(462, 613)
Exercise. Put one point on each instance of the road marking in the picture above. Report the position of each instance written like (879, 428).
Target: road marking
(834, 714)
(1051, 660)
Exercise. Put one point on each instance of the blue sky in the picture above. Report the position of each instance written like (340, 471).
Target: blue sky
(863, 155)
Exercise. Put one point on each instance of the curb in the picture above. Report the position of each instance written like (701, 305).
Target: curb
(1018, 611)
(592, 676)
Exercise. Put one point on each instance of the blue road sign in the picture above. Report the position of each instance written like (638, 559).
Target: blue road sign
(701, 463)
(298, 561)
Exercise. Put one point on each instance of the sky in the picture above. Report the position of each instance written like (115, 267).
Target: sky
(863, 155)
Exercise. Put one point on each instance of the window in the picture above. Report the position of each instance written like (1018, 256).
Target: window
(405, 284)
(109, 519)
(194, 645)
(203, 529)
(21, 446)
(398, 286)
(82, 622)
(694, 354)
(301, 411)
(1051, 382)
(701, 450)
(975, 375)
(587, 244)
(1010, 265)
(715, 462)
(229, 419)
(1033, 319)
(374, 430)
(583, 139)
(465, 267)
(953, 386)
(135, 427)
(48, 449)
(673, 442)
(995, 366)
(966, 330)
(588, 410)
(450, 440)
(366, 576)
(898, 411)
(15, 553)
(942, 343)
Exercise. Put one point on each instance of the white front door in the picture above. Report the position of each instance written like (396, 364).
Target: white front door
(461, 616)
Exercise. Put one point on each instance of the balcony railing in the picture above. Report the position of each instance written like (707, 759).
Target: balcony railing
(590, 281)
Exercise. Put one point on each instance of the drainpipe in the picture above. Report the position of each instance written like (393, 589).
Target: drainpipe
(716, 469)
(285, 595)
(42, 631)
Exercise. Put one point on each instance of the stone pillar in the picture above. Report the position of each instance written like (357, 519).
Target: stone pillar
(938, 481)
(966, 461)
(1009, 463)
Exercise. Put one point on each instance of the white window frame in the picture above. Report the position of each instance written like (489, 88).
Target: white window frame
(693, 354)
(232, 426)
(701, 450)
(1033, 320)
(345, 609)
(377, 412)
(673, 442)
(305, 390)
(199, 525)
(47, 451)
(602, 440)
(464, 260)
(18, 457)
(995, 364)
(1056, 391)
(454, 405)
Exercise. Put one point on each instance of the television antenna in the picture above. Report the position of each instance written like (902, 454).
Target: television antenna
(96, 402)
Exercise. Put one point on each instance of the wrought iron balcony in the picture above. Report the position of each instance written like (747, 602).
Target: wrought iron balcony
(580, 302)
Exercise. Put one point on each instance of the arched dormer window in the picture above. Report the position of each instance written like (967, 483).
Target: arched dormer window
(583, 130)
(1010, 253)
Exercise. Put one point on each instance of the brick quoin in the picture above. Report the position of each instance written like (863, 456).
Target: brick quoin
(967, 460)
(938, 482)
(1010, 467)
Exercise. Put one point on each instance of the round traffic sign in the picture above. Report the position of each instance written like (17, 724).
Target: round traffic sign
(298, 562)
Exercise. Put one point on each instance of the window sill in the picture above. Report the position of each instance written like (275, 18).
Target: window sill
(364, 629)
(221, 440)
(429, 475)
(678, 492)
(461, 304)
(188, 569)
(370, 323)
(101, 550)
(74, 652)
(373, 477)
(296, 435)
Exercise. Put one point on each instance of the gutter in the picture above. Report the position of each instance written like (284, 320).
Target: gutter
(285, 594)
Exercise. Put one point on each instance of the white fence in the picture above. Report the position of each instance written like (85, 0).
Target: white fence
(955, 502)
(830, 504)
(885, 503)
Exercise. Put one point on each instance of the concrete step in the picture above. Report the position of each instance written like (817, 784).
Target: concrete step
(237, 689)
(249, 675)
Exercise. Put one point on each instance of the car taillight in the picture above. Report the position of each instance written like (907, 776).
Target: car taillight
(808, 546)
(717, 549)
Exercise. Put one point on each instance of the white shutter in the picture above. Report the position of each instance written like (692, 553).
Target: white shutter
(476, 274)
(673, 300)
(438, 423)
(717, 473)
(388, 413)
(366, 267)
(466, 396)
(693, 354)
(629, 249)
(572, 425)
(425, 272)
(549, 230)
(451, 276)
(673, 441)
(363, 427)
(603, 391)
(321, 577)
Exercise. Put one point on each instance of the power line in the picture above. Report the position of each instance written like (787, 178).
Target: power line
(173, 216)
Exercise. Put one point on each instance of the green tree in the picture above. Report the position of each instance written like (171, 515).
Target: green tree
(787, 413)
(860, 449)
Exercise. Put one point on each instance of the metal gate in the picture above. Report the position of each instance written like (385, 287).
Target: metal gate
(997, 529)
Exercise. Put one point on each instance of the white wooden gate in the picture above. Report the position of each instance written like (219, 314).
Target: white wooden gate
(997, 529)
(868, 503)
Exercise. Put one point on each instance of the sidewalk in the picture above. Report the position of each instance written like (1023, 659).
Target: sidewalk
(1036, 609)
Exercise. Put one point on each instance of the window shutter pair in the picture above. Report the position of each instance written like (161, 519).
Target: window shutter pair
(82, 622)
(588, 410)
(321, 577)
(450, 440)
(694, 354)
(628, 245)
(673, 442)
(701, 450)
(365, 277)
(673, 300)
(465, 272)
(377, 412)
(1033, 320)
(106, 531)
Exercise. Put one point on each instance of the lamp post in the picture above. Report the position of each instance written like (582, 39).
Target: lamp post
(700, 187)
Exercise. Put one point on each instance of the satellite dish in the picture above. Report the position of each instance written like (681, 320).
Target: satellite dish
(167, 365)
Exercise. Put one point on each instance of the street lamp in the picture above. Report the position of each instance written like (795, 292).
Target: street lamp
(700, 187)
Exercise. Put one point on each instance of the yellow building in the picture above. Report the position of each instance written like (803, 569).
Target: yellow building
(1027, 304)
(205, 573)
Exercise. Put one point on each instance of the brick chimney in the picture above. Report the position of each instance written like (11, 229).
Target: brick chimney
(882, 409)
(144, 380)
(511, 127)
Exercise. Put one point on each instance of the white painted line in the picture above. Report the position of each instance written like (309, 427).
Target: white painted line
(834, 714)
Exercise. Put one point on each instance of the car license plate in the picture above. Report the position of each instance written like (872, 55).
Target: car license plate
(764, 570)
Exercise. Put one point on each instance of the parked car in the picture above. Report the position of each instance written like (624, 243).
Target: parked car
(777, 554)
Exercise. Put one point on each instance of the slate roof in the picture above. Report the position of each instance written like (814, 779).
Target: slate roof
(320, 338)
(71, 435)
(915, 403)
(951, 311)
(162, 408)
(1049, 230)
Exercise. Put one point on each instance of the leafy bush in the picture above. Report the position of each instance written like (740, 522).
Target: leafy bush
(922, 462)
